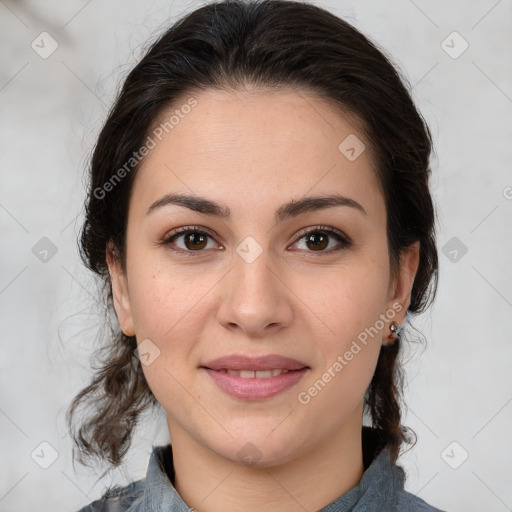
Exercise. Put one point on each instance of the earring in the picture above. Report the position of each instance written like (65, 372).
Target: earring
(393, 327)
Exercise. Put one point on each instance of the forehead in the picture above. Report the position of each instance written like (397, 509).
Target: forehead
(267, 144)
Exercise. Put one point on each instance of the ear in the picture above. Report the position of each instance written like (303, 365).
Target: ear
(120, 291)
(401, 286)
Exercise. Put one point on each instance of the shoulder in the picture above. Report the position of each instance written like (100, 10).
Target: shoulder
(384, 479)
(411, 503)
(130, 497)
(117, 499)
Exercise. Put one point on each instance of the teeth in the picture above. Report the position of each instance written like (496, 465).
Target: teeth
(259, 374)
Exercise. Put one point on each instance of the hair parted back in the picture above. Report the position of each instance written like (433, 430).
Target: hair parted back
(268, 44)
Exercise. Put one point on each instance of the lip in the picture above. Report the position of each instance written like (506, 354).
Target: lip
(255, 388)
(266, 362)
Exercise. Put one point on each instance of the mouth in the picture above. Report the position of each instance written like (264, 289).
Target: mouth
(255, 378)
(241, 363)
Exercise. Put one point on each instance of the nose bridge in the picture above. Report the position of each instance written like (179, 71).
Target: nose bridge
(254, 275)
(255, 298)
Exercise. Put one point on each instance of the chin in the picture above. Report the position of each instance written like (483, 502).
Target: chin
(259, 450)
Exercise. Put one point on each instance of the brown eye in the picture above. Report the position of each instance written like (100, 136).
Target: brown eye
(195, 241)
(320, 240)
(190, 240)
(317, 240)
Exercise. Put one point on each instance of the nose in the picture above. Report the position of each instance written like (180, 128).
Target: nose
(256, 300)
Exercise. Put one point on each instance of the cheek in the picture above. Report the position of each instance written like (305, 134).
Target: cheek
(346, 300)
(349, 305)
(348, 351)
(164, 298)
(168, 310)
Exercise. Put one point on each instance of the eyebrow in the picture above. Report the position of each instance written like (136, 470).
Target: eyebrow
(288, 210)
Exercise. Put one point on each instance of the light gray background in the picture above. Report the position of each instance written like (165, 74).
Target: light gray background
(459, 386)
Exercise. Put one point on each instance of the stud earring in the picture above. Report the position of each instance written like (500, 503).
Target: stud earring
(393, 327)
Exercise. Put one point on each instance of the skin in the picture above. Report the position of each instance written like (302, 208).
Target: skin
(253, 150)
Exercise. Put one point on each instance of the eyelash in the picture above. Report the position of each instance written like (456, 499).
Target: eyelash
(345, 241)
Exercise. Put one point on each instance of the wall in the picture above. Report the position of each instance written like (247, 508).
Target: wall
(52, 106)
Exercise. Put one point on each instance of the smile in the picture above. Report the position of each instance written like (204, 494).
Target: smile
(255, 384)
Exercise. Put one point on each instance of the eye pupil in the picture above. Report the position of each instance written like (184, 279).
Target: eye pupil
(198, 240)
(318, 239)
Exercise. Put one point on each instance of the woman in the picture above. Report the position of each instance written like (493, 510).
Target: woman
(260, 214)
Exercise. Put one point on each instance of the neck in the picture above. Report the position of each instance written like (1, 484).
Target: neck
(208, 482)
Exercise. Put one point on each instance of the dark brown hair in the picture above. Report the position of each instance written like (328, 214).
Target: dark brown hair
(268, 43)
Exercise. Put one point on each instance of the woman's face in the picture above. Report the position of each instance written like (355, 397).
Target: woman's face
(265, 279)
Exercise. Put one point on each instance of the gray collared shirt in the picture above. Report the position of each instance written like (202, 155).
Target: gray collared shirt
(381, 488)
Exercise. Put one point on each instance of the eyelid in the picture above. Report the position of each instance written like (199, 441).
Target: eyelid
(186, 229)
(345, 240)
